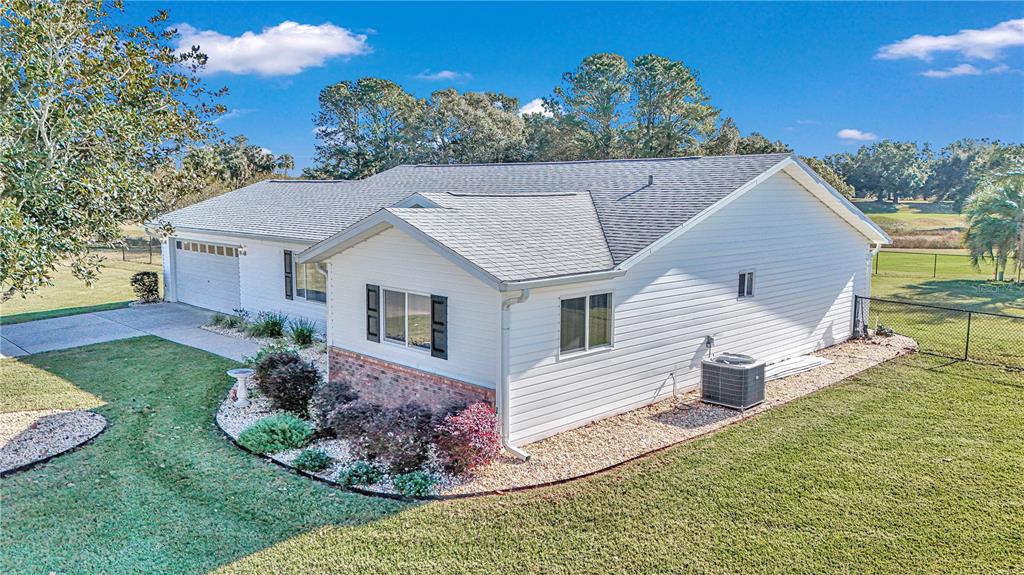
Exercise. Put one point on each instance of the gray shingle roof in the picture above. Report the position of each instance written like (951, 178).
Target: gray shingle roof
(303, 210)
(604, 212)
(516, 237)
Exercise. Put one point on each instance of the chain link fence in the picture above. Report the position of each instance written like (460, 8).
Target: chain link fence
(983, 337)
(935, 265)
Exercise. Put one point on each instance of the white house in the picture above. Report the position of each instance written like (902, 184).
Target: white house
(564, 292)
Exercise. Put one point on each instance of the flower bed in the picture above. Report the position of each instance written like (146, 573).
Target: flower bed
(568, 455)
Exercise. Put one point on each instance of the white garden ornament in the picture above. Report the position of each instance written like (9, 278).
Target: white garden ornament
(241, 376)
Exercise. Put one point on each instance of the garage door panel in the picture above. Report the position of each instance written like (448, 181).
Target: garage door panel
(207, 279)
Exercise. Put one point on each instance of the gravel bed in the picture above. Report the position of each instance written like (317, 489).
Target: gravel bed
(29, 436)
(315, 354)
(610, 441)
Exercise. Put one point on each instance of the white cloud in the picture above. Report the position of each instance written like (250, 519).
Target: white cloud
(232, 114)
(281, 50)
(856, 135)
(966, 70)
(534, 106)
(443, 75)
(986, 44)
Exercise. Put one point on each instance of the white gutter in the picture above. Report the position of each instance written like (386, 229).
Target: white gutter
(504, 377)
(560, 280)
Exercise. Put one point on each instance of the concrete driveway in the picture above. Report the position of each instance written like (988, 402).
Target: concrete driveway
(172, 321)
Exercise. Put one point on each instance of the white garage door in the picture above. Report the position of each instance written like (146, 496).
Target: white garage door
(207, 275)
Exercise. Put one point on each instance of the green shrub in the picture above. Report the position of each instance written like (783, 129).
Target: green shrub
(276, 433)
(360, 473)
(414, 483)
(218, 319)
(235, 322)
(302, 331)
(146, 286)
(268, 324)
(312, 460)
(275, 347)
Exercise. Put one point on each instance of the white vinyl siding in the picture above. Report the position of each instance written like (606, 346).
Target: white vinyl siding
(809, 264)
(262, 287)
(398, 263)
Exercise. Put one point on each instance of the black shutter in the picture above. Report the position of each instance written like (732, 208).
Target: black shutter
(373, 313)
(289, 282)
(439, 326)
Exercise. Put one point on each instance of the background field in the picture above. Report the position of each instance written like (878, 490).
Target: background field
(916, 223)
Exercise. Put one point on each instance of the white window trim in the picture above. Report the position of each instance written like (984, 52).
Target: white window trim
(587, 350)
(753, 284)
(383, 319)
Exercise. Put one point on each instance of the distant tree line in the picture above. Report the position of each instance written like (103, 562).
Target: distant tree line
(606, 108)
(890, 170)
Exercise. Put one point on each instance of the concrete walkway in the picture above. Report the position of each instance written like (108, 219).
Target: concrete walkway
(176, 322)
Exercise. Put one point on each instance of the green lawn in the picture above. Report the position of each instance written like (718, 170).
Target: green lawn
(917, 223)
(69, 296)
(912, 467)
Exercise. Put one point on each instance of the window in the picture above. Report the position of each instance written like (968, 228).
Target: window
(746, 285)
(586, 323)
(311, 281)
(211, 249)
(414, 320)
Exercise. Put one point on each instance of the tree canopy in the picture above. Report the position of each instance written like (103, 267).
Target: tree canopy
(88, 111)
(995, 220)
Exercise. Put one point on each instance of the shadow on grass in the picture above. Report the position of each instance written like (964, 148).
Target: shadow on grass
(161, 490)
(51, 313)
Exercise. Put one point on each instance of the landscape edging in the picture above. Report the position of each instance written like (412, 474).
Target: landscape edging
(31, 464)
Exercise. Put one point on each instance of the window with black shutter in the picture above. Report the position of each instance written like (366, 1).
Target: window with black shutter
(373, 313)
(289, 282)
(439, 326)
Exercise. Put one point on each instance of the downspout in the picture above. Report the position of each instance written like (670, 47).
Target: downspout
(505, 378)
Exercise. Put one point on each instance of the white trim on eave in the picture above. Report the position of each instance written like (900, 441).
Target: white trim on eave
(806, 177)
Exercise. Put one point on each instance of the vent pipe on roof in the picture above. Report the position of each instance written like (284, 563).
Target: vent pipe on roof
(650, 180)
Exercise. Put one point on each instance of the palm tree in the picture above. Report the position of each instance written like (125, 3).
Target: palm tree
(285, 162)
(995, 220)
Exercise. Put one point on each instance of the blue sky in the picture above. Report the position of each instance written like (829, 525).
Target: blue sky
(800, 72)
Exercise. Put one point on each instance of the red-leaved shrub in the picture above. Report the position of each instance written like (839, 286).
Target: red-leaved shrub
(469, 438)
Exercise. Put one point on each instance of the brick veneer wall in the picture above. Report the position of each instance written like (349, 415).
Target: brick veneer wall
(391, 384)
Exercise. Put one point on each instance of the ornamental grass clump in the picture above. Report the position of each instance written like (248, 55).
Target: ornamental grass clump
(276, 433)
(302, 331)
(469, 438)
(268, 324)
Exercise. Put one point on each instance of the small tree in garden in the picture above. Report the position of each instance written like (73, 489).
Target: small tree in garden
(146, 286)
(469, 438)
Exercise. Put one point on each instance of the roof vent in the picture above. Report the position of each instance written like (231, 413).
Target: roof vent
(650, 180)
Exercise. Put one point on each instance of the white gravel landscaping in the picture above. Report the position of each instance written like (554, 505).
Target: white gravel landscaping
(611, 441)
(315, 354)
(30, 436)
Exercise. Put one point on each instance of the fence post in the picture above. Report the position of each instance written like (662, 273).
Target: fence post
(967, 343)
(935, 266)
(878, 256)
(124, 256)
(150, 251)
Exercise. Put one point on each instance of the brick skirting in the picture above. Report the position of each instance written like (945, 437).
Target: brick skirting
(391, 384)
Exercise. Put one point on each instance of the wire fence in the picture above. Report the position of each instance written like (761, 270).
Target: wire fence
(145, 251)
(934, 265)
(983, 337)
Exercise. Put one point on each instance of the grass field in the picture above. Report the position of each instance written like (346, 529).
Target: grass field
(69, 296)
(915, 223)
(910, 467)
